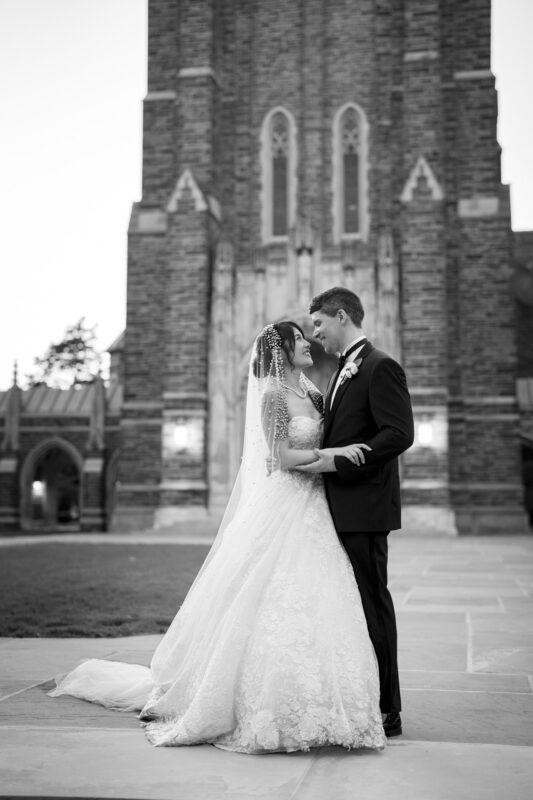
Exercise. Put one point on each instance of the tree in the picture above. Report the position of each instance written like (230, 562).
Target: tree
(71, 362)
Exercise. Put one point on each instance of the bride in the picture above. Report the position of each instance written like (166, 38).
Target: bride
(270, 650)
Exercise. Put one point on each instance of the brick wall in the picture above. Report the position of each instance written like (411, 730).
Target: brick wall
(523, 293)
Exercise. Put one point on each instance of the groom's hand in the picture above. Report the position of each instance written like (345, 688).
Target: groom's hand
(324, 463)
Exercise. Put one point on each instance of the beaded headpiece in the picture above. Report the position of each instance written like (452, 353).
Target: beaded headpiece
(272, 336)
(274, 342)
(267, 394)
(274, 401)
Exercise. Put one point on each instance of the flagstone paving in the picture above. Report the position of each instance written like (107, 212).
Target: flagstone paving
(465, 623)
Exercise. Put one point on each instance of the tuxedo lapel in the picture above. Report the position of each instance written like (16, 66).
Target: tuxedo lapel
(339, 395)
(330, 413)
(327, 398)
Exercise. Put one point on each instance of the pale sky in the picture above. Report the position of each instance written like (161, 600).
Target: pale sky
(73, 76)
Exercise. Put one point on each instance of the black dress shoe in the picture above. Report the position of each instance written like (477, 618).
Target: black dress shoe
(392, 724)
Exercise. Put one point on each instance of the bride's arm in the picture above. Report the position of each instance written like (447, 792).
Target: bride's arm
(275, 421)
(290, 458)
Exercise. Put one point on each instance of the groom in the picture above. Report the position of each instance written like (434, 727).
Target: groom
(367, 401)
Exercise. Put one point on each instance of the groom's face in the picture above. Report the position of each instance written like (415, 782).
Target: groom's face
(328, 331)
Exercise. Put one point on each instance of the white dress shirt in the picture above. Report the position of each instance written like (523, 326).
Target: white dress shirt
(351, 357)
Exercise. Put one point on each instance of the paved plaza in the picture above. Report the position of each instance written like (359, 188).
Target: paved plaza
(465, 618)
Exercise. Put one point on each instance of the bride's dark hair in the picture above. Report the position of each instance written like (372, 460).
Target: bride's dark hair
(263, 346)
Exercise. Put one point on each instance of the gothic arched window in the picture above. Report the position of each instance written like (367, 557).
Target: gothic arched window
(349, 173)
(279, 143)
(278, 168)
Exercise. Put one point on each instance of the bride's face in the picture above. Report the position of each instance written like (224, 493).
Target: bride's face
(301, 358)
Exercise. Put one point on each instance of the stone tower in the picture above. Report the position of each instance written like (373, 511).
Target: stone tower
(289, 146)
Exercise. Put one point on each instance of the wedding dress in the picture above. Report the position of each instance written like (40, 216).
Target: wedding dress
(270, 649)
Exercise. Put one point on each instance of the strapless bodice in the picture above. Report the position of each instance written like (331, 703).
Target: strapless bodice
(305, 433)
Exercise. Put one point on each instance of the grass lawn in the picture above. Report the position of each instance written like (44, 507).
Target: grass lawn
(70, 590)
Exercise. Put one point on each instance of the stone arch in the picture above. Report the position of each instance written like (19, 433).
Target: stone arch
(57, 504)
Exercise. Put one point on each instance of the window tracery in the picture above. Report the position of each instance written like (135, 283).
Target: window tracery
(278, 168)
(349, 173)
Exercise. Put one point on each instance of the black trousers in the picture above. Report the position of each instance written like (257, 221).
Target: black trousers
(368, 553)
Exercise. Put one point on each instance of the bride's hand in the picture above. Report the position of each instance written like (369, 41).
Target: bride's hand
(353, 452)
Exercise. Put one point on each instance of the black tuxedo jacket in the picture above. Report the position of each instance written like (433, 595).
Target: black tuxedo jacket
(372, 407)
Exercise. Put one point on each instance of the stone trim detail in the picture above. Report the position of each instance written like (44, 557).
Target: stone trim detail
(421, 55)
(137, 487)
(490, 519)
(472, 74)
(93, 465)
(171, 515)
(142, 404)
(487, 487)
(182, 485)
(200, 72)
(502, 417)
(429, 409)
(524, 393)
(140, 422)
(427, 518)
(421, 170)
(480, 415)
(424, 483)
(486, 400)
(429, 390)
(214, 207)
(164, 94)
(184, 395)
(185, 412)
(475, 207)
(186, 183)
(47, 428)
(150, 222)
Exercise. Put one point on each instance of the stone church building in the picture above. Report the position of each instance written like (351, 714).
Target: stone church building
(289, 147)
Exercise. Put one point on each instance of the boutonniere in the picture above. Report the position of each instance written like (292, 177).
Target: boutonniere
(350, 369)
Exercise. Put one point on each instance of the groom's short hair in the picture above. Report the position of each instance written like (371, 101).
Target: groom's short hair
(332, 300)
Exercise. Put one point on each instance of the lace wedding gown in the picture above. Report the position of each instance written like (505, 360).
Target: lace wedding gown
(270, 650)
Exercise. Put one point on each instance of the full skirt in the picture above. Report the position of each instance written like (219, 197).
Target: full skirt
(270, 649)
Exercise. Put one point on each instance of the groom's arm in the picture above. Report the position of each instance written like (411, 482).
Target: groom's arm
(390, 405)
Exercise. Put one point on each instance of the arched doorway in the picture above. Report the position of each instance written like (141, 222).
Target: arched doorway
(527, 477)
(111, 480)
(51, 487)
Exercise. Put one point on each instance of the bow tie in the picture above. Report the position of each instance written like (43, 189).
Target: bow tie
(342, 359)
